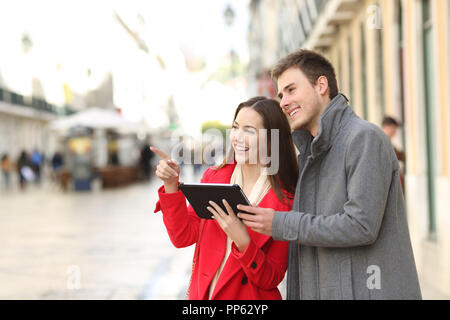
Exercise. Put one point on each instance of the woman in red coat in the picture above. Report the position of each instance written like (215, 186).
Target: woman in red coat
(231, 261)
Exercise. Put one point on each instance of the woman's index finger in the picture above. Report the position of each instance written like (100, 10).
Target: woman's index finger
(160, 153)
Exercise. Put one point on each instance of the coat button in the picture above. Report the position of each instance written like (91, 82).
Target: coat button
(244, 280)
(253, 265)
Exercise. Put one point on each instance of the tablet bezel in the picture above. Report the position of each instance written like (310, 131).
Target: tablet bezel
(199, 205)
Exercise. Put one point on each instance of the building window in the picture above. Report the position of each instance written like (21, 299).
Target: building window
(302, 32)
(312, 9)
(350, 68)
(447, 27)
(429, 85)
(305, 19)
(16, 98)
(340, 68)
(401, 79)
(320, 4)
(364, 71)
(380, 74)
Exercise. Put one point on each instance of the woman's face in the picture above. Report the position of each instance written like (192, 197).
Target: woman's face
(244, 135)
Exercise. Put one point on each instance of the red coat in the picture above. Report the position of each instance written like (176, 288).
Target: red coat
(253, 274)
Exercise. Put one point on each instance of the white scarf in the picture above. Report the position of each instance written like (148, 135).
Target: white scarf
(259, 191)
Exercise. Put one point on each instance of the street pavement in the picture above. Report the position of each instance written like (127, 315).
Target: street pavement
(104, 244)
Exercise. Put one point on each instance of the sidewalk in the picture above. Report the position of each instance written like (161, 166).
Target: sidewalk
(430, 293)
(99, 245)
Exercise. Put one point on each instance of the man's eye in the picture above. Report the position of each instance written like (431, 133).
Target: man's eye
(291, 89)
(234, 127)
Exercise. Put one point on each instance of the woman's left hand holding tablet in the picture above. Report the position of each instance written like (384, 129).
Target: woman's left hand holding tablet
(168, 170)
(231, 225)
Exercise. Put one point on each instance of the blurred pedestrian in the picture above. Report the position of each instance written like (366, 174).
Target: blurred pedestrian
(60, 176)
(197, 161)
(57, 161)
(24, 170)
(146, 160)
(230, 261)
(7, 167)
(390, 127)
(36, 162)
(113, 150)
(180, 152)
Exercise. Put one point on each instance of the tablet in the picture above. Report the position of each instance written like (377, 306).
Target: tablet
(199, 195)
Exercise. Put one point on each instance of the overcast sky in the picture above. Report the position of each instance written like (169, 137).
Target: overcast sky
(82, 34)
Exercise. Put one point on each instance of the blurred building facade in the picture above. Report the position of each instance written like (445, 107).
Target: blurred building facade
(31, 97)
(106, 62)
(24, 117)
(391, 58)
(22, 125)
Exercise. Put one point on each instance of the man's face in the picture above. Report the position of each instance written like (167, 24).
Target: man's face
(300, 100)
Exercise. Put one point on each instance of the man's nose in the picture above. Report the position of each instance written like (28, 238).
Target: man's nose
(284, 103)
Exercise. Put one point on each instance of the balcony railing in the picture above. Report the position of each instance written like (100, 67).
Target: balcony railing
(309, 11)
(319, 18)
(34, 103)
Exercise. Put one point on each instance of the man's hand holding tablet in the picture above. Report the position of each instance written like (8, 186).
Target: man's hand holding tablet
(256, 218)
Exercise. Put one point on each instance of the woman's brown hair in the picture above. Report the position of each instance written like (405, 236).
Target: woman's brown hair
(274, 119)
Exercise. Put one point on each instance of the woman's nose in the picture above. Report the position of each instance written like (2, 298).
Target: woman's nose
(239, 136)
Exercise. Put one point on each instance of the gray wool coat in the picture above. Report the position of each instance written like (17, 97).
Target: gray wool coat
(348, 232)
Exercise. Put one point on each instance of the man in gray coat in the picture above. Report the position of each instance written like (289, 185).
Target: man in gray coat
(348, 232)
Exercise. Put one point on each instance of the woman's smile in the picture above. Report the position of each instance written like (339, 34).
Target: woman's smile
(240, 148)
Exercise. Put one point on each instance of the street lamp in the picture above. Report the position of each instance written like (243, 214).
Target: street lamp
(228, 15)
(27, 43)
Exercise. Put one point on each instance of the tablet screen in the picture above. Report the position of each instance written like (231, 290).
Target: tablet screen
(199, 195)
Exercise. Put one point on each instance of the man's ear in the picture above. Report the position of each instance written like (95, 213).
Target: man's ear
(322, 85)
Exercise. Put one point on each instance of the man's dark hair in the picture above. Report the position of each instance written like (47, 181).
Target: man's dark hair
(389, 121)
(312, 64)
